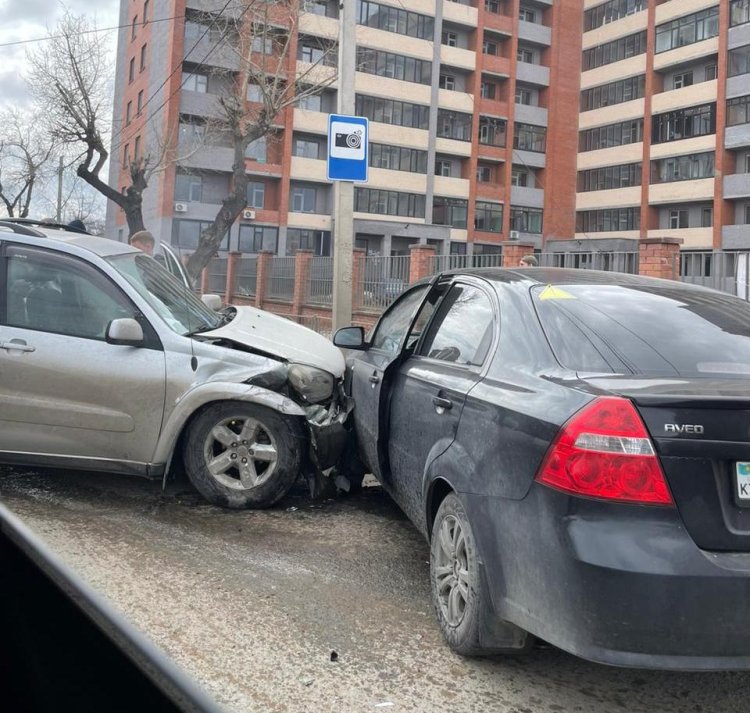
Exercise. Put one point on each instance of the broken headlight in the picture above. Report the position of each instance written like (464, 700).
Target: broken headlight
(313, 385)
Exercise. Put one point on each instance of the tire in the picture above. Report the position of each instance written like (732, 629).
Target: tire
(241, 455)
(459, 595)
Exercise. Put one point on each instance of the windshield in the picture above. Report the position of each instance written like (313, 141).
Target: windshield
(183, 312)
(646, 330)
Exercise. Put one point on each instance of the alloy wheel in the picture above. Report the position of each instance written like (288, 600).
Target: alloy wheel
(452, 571)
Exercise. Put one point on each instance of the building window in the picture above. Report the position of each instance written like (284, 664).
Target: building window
(187, 233)
(191, 136)
(188, 188)
(687, 30)
(262, 44)
(137, 149)
(319, 241)
(143, 58)
(711, 72)
(747, 215)
(523, 95)
(624, 90)
(391, 111)
(610, 177)
(398, 158)
(522, 178)
(126, 156)
(306, 148)
(303, 199)
(310, 102)
(487, 89)
(450, 39)
(488, 217)
(738, 111)
(683, 79)
(140, 102)
(527, 137)
(131, 70)
(684, 124)
(603, 137)
(392, 19)
(256, 194)
(739, 12)
(492, 6)
(614, 51)
(450, 211)
(381, 202)
(610, 12)
(678, 219)
(443, 168)
(485, 173)
(492, 131)
(258, 150)
(128, 113)
(608, 221)
(526, 55)
(134, 28)
(489, 47)
(683, 168)
(707, 217)
(255, 238)
(739, 61)
(454, 125)
(526, 220)
(317, 51)
(145, 12)
(526, 14)
(394, 66)
(193, 82)
(447, 81)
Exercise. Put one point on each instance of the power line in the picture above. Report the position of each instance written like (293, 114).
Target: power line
(85, 32)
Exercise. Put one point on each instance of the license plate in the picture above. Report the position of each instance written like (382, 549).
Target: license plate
(743, 482)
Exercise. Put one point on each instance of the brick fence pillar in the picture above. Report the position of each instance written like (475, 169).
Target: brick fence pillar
(420, 263)
(301, 278)
(513, 252)
(660, 257)
(263, 271)
(358, 276)
(232, 265)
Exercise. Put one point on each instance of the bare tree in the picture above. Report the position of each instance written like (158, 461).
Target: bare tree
(71, 77)
(25, 152)
(263, 36)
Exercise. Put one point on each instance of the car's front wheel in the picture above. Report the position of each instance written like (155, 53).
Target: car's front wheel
(242, 455)
(460, 598)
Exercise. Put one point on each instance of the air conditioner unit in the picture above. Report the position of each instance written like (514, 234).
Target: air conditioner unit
(180, 207)
(248, 214)
(514, 235)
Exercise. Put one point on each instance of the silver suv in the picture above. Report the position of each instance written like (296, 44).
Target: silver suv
(109, 363)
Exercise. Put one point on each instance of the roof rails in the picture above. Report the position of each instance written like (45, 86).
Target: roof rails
(45, 224)
(20, 229)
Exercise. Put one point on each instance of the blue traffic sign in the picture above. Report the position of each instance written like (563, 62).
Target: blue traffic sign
(348, 148)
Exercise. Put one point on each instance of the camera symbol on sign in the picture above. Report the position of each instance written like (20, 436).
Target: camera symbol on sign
(352, 140)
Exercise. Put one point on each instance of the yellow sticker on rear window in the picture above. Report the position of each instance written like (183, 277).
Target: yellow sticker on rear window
(550, 292)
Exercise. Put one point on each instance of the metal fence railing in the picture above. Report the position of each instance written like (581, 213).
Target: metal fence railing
(281, 278)
(718, 270)
(382, 280)
(443, 263)
(247, 276)
(605, 260)
(217, 275)
(320, 281)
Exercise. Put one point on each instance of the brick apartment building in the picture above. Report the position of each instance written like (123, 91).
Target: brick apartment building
(591, 123)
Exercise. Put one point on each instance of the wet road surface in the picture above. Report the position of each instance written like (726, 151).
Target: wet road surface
(252, 604)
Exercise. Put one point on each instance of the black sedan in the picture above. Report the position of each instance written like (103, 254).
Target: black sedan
(576, 447)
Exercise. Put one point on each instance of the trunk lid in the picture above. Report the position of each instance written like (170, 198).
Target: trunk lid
(701, 431)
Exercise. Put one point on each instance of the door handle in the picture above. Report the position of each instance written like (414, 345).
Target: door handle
(442, 404)
(374, 379)
(17, 345)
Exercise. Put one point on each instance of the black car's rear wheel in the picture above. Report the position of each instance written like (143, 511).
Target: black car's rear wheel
(242, 455)
(459, 596)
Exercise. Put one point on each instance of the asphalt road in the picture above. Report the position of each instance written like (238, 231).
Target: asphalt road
(252, 604)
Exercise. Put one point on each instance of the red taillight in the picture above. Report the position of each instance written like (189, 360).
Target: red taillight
(604, 451)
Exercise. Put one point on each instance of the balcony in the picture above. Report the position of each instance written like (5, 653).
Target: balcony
(212, 158)
(199, 104)
(535, 115)
(611, 198)
(456, 101)
(387, 179)
(694, 95)
(532, 32)
(735, 237)
(216, 7)
(701, 189)
(319, 26)
(457, 57)
(736, 137)
(672, 10)
(308, 169)
(314, 122)
(686, 55)
(737, 186)
(737, 86)
(692, 238)
(527, 197)
(532, 159)
(222, 55)
(532, 74)
(739, 36)
(612, 114)
(611, 156)
(460, 14)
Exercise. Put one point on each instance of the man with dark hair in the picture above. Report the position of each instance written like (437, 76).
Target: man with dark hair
(143, 240)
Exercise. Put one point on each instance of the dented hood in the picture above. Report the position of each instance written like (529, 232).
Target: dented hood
(283, 338)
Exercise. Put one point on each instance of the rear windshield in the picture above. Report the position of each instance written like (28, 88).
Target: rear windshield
(645, 330)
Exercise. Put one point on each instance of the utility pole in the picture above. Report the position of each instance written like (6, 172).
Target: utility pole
(343, 191)
(60, 171)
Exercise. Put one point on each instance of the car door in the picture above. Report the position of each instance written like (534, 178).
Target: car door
(430, 387)
(369, 372)
(64, 391)
(173, 265)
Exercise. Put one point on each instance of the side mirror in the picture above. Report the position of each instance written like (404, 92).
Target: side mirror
(213, 302)
(125, 332)
(350, 338)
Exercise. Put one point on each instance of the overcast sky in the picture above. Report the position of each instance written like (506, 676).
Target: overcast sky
(28, 19)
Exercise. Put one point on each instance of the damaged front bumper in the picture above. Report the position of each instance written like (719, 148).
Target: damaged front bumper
(328, 429)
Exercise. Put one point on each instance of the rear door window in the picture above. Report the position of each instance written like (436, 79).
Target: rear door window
(645, 330)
